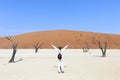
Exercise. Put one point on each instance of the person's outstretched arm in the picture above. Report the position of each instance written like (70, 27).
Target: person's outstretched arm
(54, 47)
(64, 47)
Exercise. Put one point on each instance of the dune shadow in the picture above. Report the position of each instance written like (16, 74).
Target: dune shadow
(18, 60)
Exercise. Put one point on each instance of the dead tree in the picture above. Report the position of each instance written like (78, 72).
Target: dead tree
(37, 46)
(14, 46)
(102, 49)
(86, 49)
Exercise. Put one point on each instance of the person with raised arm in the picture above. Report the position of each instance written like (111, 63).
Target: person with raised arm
(60, 50)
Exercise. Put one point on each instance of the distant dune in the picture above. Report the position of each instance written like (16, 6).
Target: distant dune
(75, 39)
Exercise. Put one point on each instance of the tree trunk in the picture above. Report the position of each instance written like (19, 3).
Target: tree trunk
(103, 49)
(14, 46)
(36, 50)
(104, 53)
(13, 56)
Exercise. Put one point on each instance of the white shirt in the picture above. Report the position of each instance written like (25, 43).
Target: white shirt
(60, 51)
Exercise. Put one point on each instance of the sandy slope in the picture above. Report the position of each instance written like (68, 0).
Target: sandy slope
(75, 39)
(42, 66)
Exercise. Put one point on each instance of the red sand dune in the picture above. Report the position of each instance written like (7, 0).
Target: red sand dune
(75, 39)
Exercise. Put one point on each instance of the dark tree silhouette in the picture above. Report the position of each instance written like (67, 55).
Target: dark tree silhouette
(86, 48)
(14, 46)
(103, 49)
(37, 46)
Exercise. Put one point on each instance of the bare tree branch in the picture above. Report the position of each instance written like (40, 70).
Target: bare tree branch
(37, 46)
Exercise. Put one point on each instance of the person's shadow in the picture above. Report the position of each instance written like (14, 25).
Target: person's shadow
(56, 66)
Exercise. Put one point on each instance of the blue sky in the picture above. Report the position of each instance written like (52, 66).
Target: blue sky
(22, 16)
